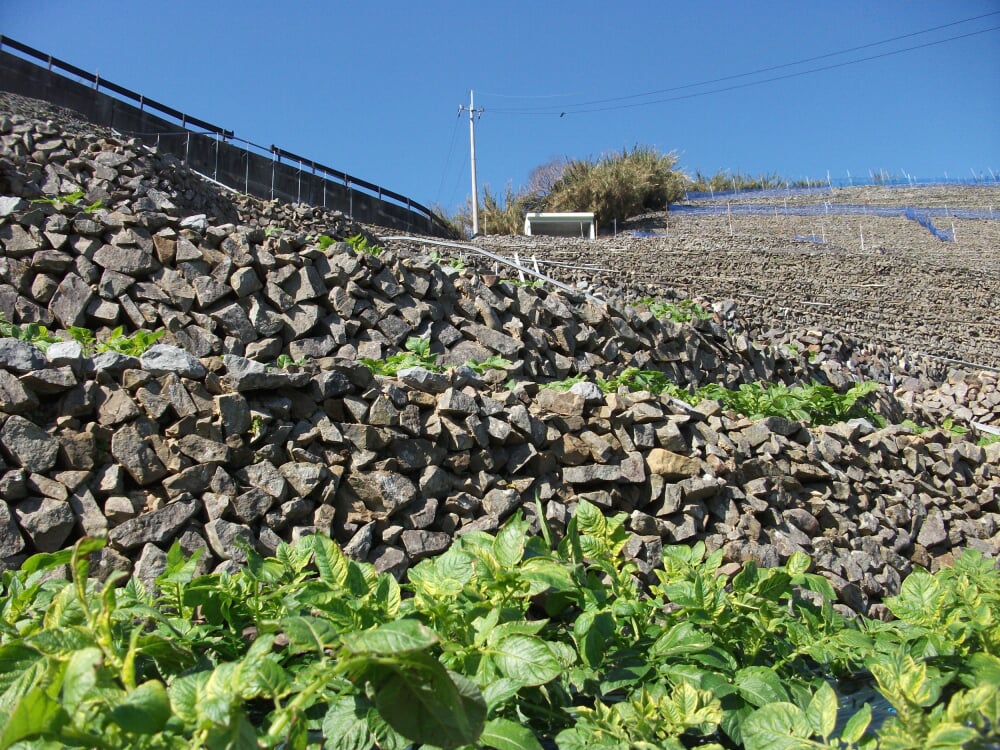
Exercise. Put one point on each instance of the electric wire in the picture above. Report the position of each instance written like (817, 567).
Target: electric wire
(447, 161)
(575, 108)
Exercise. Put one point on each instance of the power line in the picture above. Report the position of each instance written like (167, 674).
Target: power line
(574, 108)
(447, 161)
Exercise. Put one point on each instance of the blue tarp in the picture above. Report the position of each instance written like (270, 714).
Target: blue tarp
(829, 209)
(945, 235)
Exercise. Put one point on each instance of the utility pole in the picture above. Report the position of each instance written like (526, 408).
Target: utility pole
(472, 142)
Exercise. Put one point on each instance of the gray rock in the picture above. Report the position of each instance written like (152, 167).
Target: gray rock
(932, 530)
(390, 560)
(590, 473)
(424, 380)
(29, 445)
(457, 402)
(131, 261)
(159, 526)
(15, 397)
(234, 412)
(304, 477)
(203, 450)
(11, 541)
(89, 519)
(500, 343)
(247, 375)
(420, 543)
(251, 505)
(265, 476)
(132, 451)
(47, 522)
(361, 543)
(161, 359)
(69, 303)
(114, 363)
(152, 562)
(383, 491)
(228, 540)
(501, 503)
(20, 356)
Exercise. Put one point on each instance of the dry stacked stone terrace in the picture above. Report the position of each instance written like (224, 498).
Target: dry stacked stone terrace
(205, 441)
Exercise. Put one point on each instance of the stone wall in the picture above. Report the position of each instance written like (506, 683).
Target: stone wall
(204, 441)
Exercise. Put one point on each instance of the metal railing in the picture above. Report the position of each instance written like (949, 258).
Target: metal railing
(337, 177)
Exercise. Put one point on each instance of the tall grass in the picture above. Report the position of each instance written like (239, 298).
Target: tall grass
(618, 185)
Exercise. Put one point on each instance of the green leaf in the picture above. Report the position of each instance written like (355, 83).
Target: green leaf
(798, 564)
(525, 659)
(34, 714)
(345, 725)
(504, 734)
(760, 686)
(822, 711)
(392, 639)
(331, 562)
(856, 726)
(237, 734)
(949, 736)
(683, 638)
(508, 546)
(15, 660)
(777, 726)
(309, 634)
(80, 677)
(145, 710)
(429, 705)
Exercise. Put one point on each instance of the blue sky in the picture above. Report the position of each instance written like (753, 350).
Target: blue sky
(373, 88)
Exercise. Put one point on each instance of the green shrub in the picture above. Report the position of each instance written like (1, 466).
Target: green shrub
(618, 185)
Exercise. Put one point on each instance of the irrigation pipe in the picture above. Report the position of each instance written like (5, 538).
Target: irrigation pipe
(498, 259)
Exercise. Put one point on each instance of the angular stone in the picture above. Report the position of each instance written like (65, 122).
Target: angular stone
(420, 543)
(383, 491)
(159, 526)
(266, 477)
(131, 261)
(29, 445)
(424, 380)
(69, 303)
(46, 521)
(50, 380)
(501, 343)
(501, 503)
(304, 477)
(235, 413)
(134, 453)
(14, 396)
(932, 530)
(671, 465)
(20, 356)
(11, 541)
(457, 402)
(247, 375)
(590, 473)
(251, 505)
(228, 539)
(203, 450)
(161, 359)
(564, 403)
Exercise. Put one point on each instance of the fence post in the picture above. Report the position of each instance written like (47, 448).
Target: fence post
(215, 176)
(187, 147)
(247, 177)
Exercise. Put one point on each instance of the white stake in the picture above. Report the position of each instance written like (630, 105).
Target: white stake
(729, 213)
(862, 230)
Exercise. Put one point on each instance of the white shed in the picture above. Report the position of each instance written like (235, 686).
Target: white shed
(561, 224)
